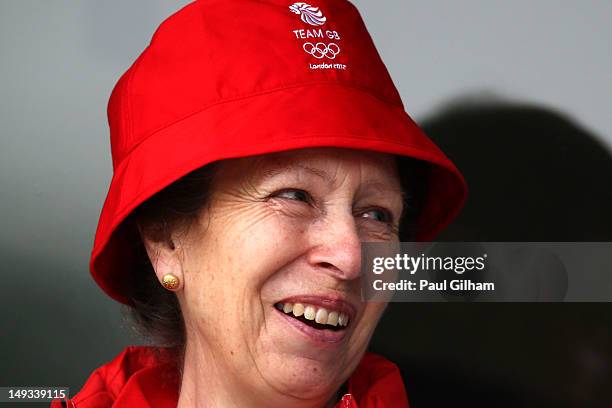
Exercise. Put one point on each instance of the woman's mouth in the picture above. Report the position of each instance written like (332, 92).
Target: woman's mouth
(315, 316)
(322, 320)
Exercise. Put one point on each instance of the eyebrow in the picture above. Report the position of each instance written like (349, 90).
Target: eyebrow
(296, 166)
(377, 185)
(325, 176)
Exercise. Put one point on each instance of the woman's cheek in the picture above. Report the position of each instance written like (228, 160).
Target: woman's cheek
(237, 255)
(368, 322)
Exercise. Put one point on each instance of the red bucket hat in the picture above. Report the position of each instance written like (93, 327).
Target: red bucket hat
(232, 78)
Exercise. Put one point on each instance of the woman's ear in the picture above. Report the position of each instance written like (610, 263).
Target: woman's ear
(164, 256)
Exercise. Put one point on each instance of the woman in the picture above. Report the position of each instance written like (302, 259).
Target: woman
(255, 145)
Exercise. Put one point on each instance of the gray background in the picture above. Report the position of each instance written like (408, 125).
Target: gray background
(60, 59)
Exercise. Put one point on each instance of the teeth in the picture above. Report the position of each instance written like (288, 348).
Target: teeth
(321, 316)
(309, 312)
(298, 309)
(318, 314)
(332, 318)
(343, 319)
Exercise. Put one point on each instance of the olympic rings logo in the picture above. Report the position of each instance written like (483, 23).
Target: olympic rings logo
(320, 50)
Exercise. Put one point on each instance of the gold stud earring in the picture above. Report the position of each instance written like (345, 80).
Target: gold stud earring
(170, 281)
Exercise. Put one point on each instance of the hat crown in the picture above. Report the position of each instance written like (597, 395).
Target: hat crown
(215, 51)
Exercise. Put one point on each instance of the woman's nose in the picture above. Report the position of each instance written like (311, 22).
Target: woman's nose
(336, 247)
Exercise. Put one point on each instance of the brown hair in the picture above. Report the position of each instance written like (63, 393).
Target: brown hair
(155, 310)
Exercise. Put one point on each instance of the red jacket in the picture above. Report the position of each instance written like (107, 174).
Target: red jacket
(138, 378)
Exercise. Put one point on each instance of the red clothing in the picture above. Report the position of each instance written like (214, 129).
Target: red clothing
(142, 377)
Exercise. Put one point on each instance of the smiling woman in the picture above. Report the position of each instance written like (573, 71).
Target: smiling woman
(285, 183)
(240, 198)
(324, 202)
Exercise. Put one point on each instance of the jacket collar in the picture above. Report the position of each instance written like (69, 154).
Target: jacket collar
(147, 377)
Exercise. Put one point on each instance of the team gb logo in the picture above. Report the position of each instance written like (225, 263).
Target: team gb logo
(308, 14)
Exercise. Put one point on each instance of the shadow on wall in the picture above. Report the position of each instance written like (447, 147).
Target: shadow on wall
(533, 175)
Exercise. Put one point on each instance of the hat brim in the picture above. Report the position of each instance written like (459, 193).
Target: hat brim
(311, 115)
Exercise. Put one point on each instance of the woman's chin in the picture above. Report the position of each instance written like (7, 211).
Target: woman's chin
(303, 378)
(303, 365)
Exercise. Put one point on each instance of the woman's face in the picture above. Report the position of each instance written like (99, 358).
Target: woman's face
(281, 237)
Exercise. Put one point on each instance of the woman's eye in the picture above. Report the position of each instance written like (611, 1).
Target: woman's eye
(379, 215)
(292, 194)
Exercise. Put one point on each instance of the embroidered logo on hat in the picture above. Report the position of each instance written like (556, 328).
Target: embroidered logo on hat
(320, 50)
(309, 14)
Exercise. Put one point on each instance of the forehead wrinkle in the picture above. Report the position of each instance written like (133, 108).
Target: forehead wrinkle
(377, 185)
(279, 168)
